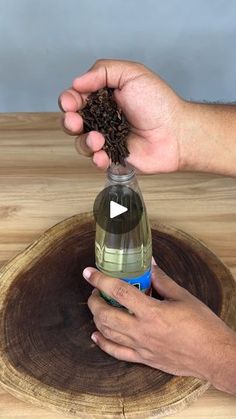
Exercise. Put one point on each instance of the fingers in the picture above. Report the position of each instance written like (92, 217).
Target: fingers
(71, 100)
(126, 294)
(111, 73)
(73, 123)
(91, 145)
(87, 144)
(114, 336)
(82, 146)
(101, 160)
(111, 318)
(165, 286)
(117, 351)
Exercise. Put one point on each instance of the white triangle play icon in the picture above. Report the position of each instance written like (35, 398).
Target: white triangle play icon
(116, 209)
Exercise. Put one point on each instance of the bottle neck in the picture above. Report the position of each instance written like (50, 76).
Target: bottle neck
(119, 173)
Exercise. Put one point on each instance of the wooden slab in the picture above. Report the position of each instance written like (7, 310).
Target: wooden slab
(46, 354)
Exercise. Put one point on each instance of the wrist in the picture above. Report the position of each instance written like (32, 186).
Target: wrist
(192, 154)
(207, 138)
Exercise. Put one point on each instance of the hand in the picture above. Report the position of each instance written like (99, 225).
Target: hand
(179, 335)
(152, 108)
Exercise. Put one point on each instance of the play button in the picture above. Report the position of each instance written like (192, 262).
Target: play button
(118, 209)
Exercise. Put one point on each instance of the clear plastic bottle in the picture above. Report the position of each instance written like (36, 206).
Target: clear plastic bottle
(126, 255)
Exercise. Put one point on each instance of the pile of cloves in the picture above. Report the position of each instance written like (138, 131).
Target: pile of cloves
(102, 114)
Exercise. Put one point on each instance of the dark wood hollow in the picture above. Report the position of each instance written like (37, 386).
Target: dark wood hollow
(48, 324)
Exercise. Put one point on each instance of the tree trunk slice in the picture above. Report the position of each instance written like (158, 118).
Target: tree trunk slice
(46, 354)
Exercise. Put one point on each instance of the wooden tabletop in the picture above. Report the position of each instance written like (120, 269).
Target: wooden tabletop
(43, 181)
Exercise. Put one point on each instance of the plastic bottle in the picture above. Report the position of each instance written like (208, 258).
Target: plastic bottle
(120, 250)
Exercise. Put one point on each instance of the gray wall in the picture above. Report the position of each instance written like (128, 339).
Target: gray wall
(44, 44)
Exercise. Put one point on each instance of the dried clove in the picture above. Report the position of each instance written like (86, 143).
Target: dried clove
(101, 113)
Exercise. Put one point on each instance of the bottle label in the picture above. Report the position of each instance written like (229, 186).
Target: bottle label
(142, 282)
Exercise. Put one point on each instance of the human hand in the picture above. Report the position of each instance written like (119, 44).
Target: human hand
(179, 335)
(152, 108)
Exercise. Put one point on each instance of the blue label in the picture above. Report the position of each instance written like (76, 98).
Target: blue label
(142, 282)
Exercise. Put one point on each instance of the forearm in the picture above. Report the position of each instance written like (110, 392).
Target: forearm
(222, 372)
(208, 138)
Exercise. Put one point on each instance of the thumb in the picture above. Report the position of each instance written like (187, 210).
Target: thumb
(165, 286)
(110, 73)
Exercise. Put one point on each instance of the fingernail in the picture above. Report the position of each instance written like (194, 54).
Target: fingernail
(66, 125)
(89, 141)
(94, 338)
(59, 104)
(86, 273)
(153, 262)
(95, 159)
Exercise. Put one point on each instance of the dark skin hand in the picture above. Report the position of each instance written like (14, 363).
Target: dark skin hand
(179, 335)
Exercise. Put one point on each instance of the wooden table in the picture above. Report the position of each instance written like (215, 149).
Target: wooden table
(43, 181)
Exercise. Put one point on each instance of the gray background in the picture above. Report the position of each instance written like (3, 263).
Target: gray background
(44, 44)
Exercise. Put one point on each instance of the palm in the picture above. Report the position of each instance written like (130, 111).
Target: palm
(150, 105)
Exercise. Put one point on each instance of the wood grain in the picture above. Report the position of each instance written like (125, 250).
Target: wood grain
(30, 120)
(43, 181)
(46, 354)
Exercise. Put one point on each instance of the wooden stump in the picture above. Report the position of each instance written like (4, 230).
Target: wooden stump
(46, 354)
